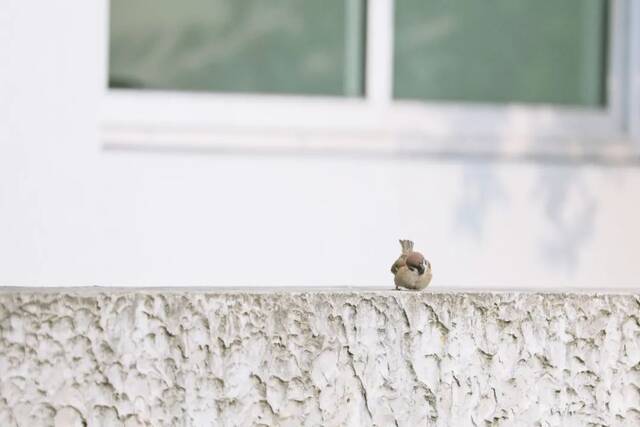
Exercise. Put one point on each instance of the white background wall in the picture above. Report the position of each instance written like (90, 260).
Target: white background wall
(72, 213)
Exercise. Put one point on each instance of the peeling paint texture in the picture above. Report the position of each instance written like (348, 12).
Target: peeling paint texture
(293, 358)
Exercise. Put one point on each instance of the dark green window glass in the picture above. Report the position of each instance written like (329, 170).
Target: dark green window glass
(529, 51)
(277, 46)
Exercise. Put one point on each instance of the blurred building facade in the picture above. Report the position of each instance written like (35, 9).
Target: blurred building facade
(73, 212)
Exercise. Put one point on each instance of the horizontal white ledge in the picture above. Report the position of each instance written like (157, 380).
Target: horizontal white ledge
(89, 290)
(177, 121)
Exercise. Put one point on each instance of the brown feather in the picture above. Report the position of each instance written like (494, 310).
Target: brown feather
(400, 262)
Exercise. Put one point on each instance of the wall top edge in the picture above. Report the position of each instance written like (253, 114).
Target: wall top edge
(95, 290)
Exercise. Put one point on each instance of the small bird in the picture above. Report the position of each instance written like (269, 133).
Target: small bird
(411, 270)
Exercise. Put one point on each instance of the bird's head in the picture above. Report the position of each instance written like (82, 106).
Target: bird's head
(416, 262)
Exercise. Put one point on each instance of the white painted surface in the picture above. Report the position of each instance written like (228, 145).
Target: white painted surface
(634, 70)
(379, 58)
(307, 358)
(72, 213)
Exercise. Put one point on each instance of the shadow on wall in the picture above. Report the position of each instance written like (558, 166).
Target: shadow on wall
(559, 194)
(570, 209)
(482, 192)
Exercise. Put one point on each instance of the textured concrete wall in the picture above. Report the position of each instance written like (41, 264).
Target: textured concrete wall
(153, 357)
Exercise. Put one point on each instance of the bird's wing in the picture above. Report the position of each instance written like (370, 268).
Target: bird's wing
(400, 262)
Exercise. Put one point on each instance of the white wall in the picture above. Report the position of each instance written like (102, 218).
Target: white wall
(133, 359)
(74, 214)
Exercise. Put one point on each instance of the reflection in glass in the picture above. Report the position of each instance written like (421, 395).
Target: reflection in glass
(275, 46)
(530, 51)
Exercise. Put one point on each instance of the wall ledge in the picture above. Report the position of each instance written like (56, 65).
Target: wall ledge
(317, 356)
(373, 290)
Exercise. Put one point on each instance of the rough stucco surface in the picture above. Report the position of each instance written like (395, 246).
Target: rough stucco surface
(318, 358)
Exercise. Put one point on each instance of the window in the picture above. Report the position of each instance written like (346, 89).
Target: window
(541, 51)
(305, 47)
(535, 76)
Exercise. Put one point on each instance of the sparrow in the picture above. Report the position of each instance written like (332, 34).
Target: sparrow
(411, 270)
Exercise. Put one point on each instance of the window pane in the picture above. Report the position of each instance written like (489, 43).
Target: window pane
(275, 46)
(530, 51)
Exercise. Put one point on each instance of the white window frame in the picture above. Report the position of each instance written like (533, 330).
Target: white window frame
(147, 119)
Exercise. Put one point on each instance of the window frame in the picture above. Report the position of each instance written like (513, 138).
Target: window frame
(378, 123)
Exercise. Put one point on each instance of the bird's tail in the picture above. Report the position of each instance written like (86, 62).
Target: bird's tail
(407, 246)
